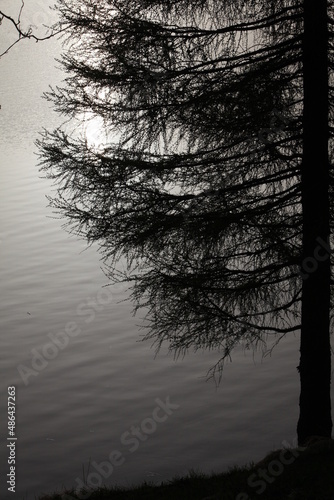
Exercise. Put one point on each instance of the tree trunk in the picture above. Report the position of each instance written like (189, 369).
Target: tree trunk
(315, 353)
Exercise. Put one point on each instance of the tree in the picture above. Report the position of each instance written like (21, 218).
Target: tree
(210, 178)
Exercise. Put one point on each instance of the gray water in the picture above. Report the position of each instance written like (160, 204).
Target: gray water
(75, 408)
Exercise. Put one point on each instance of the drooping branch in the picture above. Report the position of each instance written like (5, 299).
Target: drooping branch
(198, 183)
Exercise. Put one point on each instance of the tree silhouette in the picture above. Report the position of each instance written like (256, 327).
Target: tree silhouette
(212, 178)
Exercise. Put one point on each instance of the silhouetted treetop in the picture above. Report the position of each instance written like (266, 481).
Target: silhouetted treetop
(196, 178)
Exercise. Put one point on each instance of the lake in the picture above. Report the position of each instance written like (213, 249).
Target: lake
(92, 399)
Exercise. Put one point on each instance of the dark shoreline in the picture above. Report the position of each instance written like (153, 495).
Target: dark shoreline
(288, 474)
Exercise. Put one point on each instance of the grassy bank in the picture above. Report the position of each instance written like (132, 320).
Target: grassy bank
(298, 474)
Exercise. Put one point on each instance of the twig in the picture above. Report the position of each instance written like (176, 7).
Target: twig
(26, 34)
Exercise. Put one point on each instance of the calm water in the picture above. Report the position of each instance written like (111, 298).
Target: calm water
(82, 405)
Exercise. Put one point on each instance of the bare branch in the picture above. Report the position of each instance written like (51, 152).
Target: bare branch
(56, 29)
